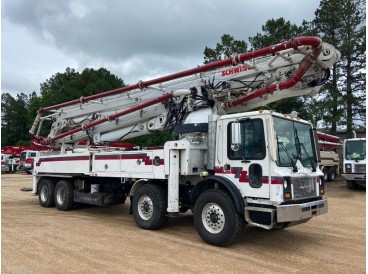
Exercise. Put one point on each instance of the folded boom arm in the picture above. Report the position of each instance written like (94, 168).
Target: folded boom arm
(239, 83)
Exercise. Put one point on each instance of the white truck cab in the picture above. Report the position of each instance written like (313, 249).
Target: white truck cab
(26, 160)
(354, 166)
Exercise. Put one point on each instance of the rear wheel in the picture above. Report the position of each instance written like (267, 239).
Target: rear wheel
(325, 173)
(64, 195)
(331, 174)
(46, 191)
(149, 206)
(216, 218)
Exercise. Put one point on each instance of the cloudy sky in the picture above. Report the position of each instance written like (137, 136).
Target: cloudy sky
(135, 40)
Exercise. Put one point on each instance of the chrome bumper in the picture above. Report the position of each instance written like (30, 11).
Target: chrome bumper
(297, 212)
(354, 177)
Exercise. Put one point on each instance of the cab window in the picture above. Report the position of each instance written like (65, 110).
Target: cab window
(252, 140)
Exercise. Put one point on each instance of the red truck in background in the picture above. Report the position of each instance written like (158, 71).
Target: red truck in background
(15, 158)
(10, 156)
(26, 160)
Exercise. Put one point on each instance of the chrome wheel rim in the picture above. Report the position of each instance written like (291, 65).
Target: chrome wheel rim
(44, 193)
(325, 175)
(60, 195)
(333, 176)
(213, 218)
(145, 207)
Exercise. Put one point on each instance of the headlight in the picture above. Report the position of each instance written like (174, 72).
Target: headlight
(347, 167)
(285, 184)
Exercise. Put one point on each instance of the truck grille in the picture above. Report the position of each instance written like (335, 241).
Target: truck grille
(360, 168)
(304, 187)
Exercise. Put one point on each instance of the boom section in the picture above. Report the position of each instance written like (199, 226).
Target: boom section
(240, 83)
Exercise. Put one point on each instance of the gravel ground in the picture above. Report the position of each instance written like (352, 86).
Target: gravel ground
(107, 240)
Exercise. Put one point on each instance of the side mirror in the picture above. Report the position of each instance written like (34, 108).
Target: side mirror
(235, 136)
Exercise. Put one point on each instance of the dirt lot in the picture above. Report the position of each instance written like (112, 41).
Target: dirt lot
(106, 240)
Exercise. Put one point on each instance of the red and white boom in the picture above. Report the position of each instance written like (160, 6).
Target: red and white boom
(243, 82)
(328, 142)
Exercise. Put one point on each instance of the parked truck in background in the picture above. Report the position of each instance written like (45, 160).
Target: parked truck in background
(19, 158)
(26, 160)
(4, 162)
(330, 159)
(354, 165)
(10, 157)
(231, 164)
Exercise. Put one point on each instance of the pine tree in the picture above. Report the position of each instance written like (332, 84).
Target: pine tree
(342, 24)
(274, 32)
(225, 49)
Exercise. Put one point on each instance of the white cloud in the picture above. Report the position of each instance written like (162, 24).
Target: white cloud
(133, 39)
(27, 61)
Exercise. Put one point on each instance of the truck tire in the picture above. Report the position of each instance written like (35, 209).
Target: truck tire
(46, 189)
(331, 174)
(351, 185)
(325, 173)
(149, 206)
(64, 195)
(216, 219)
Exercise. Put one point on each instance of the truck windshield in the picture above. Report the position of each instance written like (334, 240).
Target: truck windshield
(295, 141)
(355, 150)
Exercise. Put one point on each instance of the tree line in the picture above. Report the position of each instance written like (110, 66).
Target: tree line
(341, 102)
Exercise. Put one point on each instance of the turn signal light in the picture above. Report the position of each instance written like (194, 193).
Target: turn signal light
(287, 196)
(322, 191)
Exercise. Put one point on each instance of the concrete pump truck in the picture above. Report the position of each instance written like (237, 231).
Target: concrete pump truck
(231, 164)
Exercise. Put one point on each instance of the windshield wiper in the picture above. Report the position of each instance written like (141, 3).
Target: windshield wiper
(299, 151)
(297, 145)
(295, 169)
(313, 164)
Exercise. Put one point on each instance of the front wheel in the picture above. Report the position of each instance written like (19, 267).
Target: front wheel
(216, 219)
(149, 206)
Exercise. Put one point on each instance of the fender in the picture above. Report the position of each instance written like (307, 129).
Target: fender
(226, 183)
(136, 185)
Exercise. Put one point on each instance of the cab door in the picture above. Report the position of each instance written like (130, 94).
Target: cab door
(247, 160)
